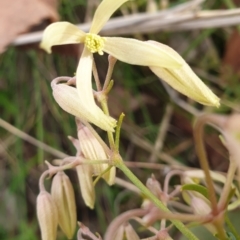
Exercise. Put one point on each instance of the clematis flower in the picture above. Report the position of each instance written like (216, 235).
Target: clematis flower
(184, 80)
(131, 51)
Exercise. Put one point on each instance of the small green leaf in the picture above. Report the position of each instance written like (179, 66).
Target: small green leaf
(197, 188)
(230, 236)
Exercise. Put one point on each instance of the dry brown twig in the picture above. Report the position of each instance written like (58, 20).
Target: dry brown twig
(186, 16)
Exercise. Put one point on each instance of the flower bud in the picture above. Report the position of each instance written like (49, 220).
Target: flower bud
(184, 80)
(154, 186)
(68, 99)
(93, 150)
(119, 234)
(84, 173)
(63, 195)
(47, 216)
(163, 235)
(131, 233)
(200, 206)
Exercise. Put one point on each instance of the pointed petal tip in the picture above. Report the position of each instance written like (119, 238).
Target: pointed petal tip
(209, 99)
(90, 205)
(60, 33)
(44, 46)
(104, 11)
(217, 103)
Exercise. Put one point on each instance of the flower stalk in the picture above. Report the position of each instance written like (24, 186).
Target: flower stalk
(198, 137)
(178, 224)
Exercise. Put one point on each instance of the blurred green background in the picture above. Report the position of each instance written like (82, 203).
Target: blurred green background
(26, 102)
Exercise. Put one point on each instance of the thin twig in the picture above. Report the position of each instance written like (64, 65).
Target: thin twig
(182, 17)
(148, 147)
(161, 133)
(30, 139)
(127, 185)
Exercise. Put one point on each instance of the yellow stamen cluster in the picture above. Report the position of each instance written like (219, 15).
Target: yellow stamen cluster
(94, 43)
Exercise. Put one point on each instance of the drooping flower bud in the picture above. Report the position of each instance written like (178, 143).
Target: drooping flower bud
(84, 173)
(63, 195)
(163, 235)
(119, 233)
(154, 186)
(93, 150)
(68, 99)
(184, 80)
(47, 216)
(200, 206)
(131, 233)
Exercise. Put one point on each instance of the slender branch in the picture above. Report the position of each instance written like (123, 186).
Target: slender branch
(163, 128)
(168, 177)
(110, 134)
(154, 199)
(121, 219)
(96, 76)
(101, 174)
(111, 63)
(198, 137)
(183, 217)
(41, 181)
(10, 128)
(232, 228)
(227, 186)
(118, 129)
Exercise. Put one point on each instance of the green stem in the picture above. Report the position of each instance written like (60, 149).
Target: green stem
(100, 175)
(118, 129)
(227, 186)
(231, 227)
(154, 199)
(198, 137)
(110, 134)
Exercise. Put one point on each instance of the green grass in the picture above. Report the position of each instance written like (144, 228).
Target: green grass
(27, 103)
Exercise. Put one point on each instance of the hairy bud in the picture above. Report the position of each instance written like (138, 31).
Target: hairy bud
(63, 195)
(47, 216)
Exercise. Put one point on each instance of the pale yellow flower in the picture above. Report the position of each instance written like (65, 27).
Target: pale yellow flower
(87, 146)
(131, 51)
(68, 99)
(85, 173)
(184, 80)
(93, 150)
